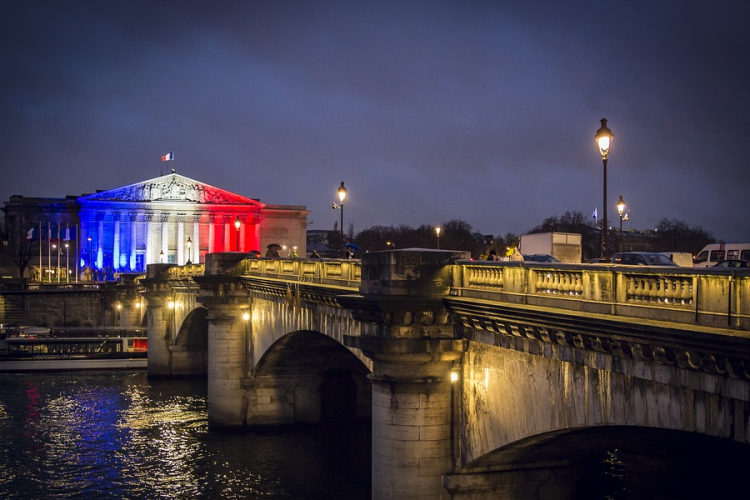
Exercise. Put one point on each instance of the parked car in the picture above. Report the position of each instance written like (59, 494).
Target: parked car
(597, 260)
(642, 259)
(538, 257)
(733, 263)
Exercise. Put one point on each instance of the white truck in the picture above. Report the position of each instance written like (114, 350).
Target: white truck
(565, 247)
(716, 252)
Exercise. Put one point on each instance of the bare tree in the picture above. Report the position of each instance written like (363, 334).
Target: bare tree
(17, 235)
(677, 236)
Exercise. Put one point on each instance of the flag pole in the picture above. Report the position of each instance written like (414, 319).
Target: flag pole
(49, 251)
(67, 253)
(41, 262)
(78, 253)
(57, 271)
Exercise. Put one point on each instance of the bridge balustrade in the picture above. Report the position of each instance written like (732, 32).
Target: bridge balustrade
(344, 273)
(707, 297)
(46, 287)
(187, 271)
(694, 296)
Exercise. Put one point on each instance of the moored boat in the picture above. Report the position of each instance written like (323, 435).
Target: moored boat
(74, 349)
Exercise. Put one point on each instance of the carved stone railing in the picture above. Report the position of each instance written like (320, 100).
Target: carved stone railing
(187, 271)
(48, 287)
(662, 290)
(710, 297)
(345, 273)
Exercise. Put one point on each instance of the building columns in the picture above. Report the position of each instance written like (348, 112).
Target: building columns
(181, 239)
(211, 234)
(196, 249)
(227, 234)
(116, 241)
(100, 244)
(164, 238)
(133, 261)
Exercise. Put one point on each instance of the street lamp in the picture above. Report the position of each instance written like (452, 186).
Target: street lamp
(437, 231)
(91, 259)
(57, 271)
(161, 256)
(237, 224)
(67, 263)
(603, 139)
(454, 379)
(342, 194)
(190, 251)
(620, 210)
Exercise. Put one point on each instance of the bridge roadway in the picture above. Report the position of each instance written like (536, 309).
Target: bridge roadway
(482, 379)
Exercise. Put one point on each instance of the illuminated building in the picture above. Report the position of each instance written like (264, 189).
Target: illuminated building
(124, 229)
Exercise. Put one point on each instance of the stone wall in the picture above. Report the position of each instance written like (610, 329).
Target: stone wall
(58, 308)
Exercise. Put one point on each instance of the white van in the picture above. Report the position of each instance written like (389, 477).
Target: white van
(715, 252)
(684, 259)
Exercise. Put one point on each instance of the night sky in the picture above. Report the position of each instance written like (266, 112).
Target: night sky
(428, 111)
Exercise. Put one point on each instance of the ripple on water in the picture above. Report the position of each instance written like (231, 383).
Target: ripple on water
(118, 435)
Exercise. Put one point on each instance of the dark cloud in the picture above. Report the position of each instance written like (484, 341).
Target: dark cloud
(429, 111)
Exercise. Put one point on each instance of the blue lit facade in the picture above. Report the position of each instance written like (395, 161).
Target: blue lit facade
(169, 219)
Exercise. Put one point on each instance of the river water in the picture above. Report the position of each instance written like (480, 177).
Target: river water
(119, 435)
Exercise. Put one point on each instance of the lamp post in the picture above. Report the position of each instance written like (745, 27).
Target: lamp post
(67, 263)
(237, 224)
(161, 256)
(57, 270)
(342, 195)
(437, 231)
(621, 211)
(91, 259)
(454, 379)
(603, 139)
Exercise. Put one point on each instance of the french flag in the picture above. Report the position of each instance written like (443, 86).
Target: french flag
(168, 157)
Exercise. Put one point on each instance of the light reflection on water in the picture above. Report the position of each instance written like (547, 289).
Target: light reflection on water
(119, 435)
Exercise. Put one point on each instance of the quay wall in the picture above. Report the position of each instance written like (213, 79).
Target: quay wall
(59, 306)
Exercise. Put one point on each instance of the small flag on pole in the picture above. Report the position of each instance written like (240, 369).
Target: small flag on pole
(594, 215)
(168, 157)
(626, 216)
(30, 234)
(70, 233)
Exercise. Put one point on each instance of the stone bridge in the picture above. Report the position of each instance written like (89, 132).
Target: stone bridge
(483, 380)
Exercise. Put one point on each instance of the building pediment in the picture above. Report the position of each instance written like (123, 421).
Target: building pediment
(170, 188)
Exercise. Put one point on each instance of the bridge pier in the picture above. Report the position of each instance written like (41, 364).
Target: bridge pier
(406, 333)
(128, 308)
(228, 339)
(160, 326)
(411, 433)
(227, 363)
(160, 319)
(283, 400)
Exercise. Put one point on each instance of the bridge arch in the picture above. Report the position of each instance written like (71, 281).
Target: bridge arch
(615, 461)
(189, 349)
(194, 329)
(307, 376)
